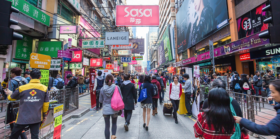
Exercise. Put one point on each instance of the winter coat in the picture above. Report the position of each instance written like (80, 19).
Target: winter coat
(105, 97)
(271, 128)
(155, 81)
(72, 83)
(188, 86)
(81, 80)
(150, 89)
(129, 94)
(257, 81)
(266, 80)
(164, 81)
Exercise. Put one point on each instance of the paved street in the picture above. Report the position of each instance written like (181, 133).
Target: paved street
(91, 125)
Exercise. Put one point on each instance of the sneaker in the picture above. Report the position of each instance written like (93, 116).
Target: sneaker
(126, 127)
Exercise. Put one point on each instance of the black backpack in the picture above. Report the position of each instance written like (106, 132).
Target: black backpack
(20, 83)
(59, 85)
(155, 90)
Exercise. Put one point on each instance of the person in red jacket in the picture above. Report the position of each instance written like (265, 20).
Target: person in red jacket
(175, 93)
(164, 80)
(132, 79)
(155, 98)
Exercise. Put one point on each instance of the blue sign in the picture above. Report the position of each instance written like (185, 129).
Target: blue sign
(148, 66)
(126, 59)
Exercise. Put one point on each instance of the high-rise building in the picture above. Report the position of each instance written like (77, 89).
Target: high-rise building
(152, 37)
(134, 32)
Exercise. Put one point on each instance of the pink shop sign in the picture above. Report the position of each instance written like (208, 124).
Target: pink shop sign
(68, 30)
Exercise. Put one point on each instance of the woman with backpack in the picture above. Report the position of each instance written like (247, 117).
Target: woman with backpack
(244, 83)
(129, 94)
(156, 97)
(105, 97)
(147, 103)
(175, 93)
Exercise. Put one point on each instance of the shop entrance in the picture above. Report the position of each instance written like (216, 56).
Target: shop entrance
(248, 67)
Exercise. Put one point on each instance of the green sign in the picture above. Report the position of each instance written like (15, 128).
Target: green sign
(31, 11)
(24, 48)
(49, 48)
(93, 44)
(58, 121)
(205, 64)
(167, 45)
(44, 77)
(74, 66)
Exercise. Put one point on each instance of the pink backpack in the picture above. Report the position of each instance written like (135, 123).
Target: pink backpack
(116, 101)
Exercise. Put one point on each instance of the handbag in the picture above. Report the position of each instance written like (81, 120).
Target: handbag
(116, 101)
(143, 94)
(246, 86)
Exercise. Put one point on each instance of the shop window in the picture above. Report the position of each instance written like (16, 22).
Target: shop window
(65, 12)
(36, 3)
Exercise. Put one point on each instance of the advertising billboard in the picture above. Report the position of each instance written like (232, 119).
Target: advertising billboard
(251, 22)
(198, 19)
(167, 45)
(68, 29)
(161, 56)
(137, 15)
(116, 38)
(138, 46)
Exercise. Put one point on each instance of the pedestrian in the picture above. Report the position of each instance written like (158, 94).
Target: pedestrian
(187, 90)
(147, 103)
(132, 79)
(129, 94)
(141, 80)
(175, 93)
(51, 83)
(81, 83)
(214, 76)
(106, 94)
(31, 113)
(257, 83)
(217, 121)
(72, 81)
(267, 78)
(4, 85)
(161, 94)
(164, 80)
(156, 97)
(273, 126)
(244, 84)
(27, 76)
(58, 82)
(86, 82)
(99, 83)
(16, 79)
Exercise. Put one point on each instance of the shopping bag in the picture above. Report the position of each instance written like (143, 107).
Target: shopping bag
(122, 113)
(143, 94)
(116, 101)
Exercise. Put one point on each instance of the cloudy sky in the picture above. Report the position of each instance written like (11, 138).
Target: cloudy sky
(142, 31)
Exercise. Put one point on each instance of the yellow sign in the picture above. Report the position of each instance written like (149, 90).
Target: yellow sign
(58, 111)
(40, 61)
(58, 121)
(125, 64)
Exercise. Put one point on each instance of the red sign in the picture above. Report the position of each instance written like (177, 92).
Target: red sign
(78, 56)
(244, 57)
(57, 132)
(133, 62)
(137, 15)
(91, 83)
(109, 66)
(96, 62)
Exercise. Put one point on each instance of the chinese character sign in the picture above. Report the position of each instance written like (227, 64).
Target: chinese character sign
(93, 44)
(44, 77)
(55, 64)
(126, 59)
(96, 62)
(49, 48)
(137, 15)
(122, 46)
(24, 48)
(76, 66)
(109, 66)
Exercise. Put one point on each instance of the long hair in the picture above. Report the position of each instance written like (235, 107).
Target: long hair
(244, 78)
(219, 114)
(141, 78)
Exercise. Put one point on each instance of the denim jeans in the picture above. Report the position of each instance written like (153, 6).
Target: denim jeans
(257, 89)
(81, 89)
(161, 98)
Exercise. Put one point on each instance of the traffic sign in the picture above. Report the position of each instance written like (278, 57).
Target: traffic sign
(40, 61)
(126, 59)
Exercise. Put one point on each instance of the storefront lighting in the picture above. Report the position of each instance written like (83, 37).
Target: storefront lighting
(201, 49)
(215, 43)
(225, 39)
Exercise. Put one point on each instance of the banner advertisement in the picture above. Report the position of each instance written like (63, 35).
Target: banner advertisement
(91, 83)
(44, 77)
(137, 58)
(76, 65)
(161, 57)
(93, 44)
(138, 46)
(172, 38)
(129, 46)
(68, 29)
(49, 48)
(117, 38)
(195, 22)
(69, 42)
(196, 71)
(24, 48)
(96, 62)
(126, 59)
(78, 55)
(252, 22)
(39, 61)
(116, 66)
(85, 61)
(133, 62)
(268, 52)
(55, 64)
(109, 66)
(167, 45)
(137, 15)
(124, 52)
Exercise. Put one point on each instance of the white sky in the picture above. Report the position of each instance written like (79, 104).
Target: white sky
(142, 31)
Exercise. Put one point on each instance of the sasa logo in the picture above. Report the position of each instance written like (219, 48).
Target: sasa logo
(138, 12)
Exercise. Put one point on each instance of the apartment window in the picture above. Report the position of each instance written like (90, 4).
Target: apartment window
(66, 13)
(237, 1)
(36, 3)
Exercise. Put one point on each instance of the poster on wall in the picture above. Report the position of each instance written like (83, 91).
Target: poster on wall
(196, 72)
(44, 77)
(252, 22)
(195, 22)
(161, 56)
(167, 45)
(138, 46)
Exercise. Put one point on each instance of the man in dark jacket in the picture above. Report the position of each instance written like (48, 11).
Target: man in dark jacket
(129, 98)
(257, 83)
(72, 81)
(98, 84)
(161, 97)
(266, 80)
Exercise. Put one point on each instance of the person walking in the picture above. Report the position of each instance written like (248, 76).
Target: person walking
(99, 83)
(175, 93)
(81, 83)
(72, 81)
(257, 83)
(164, 81)
(27, 76)
(267, 78)
(129, 94)
(31, 113)
(217, 121)
(16, 79)
(161, 94)
(187, 90)
(273, 126)
(106, 93)
(147, 103)
(51, 83)
(155, 98)
(132, 79)
(244, 84)
(58, 82)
